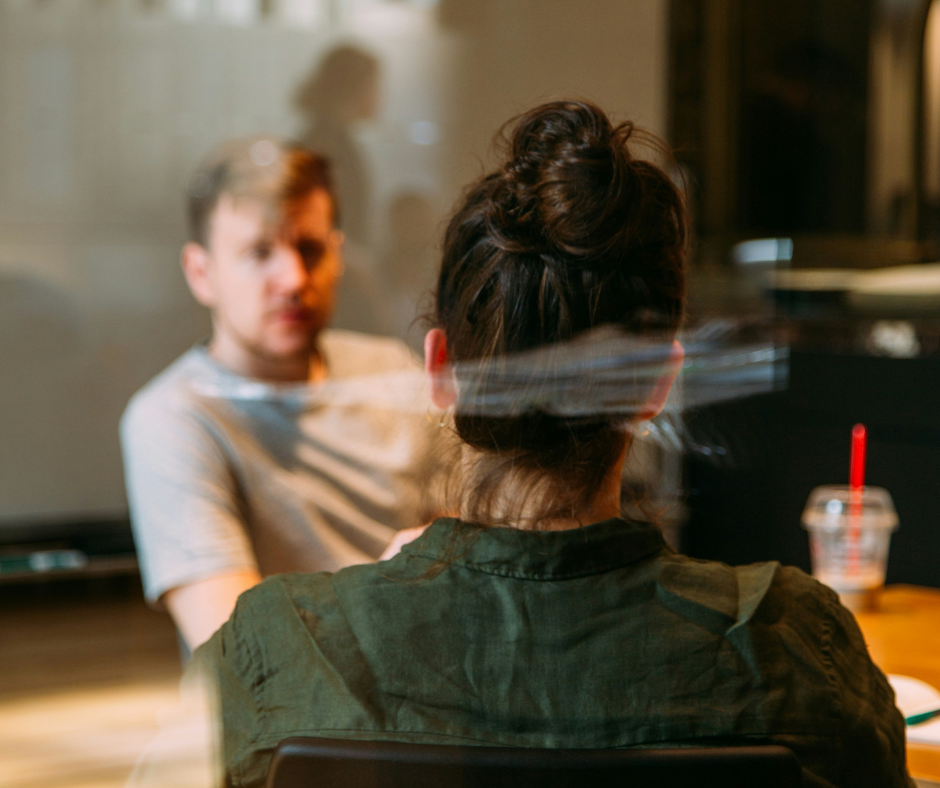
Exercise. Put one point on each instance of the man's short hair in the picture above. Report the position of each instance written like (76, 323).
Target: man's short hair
(263, 169)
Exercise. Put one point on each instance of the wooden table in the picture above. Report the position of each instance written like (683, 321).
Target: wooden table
(903, 636)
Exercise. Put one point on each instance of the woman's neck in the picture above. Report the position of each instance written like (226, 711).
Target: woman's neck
(506, 511)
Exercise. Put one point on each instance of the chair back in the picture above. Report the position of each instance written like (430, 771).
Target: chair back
(304, 762)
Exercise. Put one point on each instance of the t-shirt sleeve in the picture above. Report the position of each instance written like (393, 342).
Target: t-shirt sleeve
(873, 752)
(185, 509)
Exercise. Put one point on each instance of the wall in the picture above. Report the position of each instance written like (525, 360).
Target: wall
(105, 107)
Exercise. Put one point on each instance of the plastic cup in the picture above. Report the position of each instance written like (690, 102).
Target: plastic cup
(849, 534)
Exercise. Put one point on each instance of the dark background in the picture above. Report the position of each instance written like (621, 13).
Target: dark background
(771, 112)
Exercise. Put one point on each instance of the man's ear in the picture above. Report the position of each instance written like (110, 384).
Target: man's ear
(340, 248)
(440, 374)
(196, 263)
(657, 400)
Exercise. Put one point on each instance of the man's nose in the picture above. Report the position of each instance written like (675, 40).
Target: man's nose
(292, 271)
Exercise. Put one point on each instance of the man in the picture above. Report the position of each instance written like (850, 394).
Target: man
(245, 457)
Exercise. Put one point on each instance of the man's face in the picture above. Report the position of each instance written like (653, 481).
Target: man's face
(271, 286)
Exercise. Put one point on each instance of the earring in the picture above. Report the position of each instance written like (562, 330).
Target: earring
(441, 423)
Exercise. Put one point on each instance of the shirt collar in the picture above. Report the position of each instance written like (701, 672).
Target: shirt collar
(210, 378)
(538, 555)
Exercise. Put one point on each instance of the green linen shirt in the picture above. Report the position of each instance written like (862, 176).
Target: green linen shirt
(595, 637)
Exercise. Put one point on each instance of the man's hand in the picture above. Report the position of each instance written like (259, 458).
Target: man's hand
(402, 538)
(200, 608)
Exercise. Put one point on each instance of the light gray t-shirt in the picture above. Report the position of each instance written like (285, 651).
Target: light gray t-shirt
(225, 473)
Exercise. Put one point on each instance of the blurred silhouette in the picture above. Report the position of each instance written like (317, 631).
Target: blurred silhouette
(39, 322)
(342, 91)
(409, 260)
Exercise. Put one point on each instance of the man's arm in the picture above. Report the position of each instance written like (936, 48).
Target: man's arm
(401, 538)
(200, 608)
(192, 542)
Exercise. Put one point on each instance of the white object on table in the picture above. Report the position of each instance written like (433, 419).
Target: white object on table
(914, 696)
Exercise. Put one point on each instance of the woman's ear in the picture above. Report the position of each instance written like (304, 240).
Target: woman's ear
(440, 374)
(657, 400)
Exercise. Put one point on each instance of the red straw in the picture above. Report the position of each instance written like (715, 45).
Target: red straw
(857, 463)
(856, 484)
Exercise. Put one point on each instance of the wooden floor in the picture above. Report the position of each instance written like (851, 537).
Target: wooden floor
(87, 675)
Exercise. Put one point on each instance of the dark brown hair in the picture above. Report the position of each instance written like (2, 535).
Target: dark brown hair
(264, 169)
(571, 233)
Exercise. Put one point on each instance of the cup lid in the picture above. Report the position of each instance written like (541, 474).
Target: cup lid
(828, 507)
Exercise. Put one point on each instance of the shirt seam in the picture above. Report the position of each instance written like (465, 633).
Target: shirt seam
(267, 740)
(233, 460)
(652, 552)
(832, 680)
(596, 570)
(252, 649)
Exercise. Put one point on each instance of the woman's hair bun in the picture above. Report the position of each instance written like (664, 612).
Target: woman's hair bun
(566, 182)
(573, 231)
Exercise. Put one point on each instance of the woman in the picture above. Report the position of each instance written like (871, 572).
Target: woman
(539, 618)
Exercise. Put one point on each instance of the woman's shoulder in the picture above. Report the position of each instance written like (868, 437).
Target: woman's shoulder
(735, 596)
(282, 606)
(264, 605)
(283, 621)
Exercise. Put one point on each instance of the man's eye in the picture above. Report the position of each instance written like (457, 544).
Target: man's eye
(261, 252)
(311, 252)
